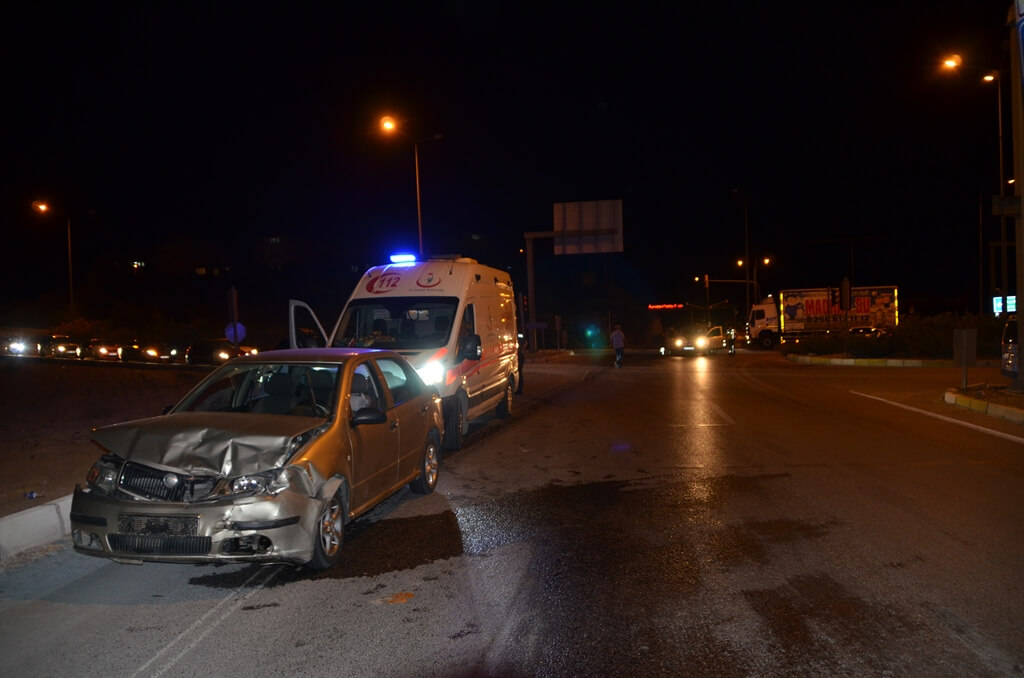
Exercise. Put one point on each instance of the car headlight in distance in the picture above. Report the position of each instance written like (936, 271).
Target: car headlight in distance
(223, 355)
(432, 372)
(702, 342)
(679, 343)
(152, 352)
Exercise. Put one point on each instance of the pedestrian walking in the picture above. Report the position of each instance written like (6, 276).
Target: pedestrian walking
(618, 343)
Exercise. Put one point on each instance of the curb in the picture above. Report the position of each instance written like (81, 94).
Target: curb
(869, 362)
(36, 526)
(954, 397)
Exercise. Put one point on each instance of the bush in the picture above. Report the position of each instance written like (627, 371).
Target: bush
(927, 338)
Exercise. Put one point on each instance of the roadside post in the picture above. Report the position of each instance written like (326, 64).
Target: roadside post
(965, 351)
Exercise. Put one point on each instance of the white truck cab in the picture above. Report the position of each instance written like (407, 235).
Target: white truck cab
(453, 318)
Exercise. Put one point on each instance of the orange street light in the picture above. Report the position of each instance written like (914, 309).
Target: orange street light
(389, 125)
(757, 289)
(954, 62)
(42, 207)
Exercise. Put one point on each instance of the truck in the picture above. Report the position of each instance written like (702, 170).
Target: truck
(452, 317)
(799, 313)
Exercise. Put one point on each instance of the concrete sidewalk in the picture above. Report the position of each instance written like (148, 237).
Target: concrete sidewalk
(37, 526)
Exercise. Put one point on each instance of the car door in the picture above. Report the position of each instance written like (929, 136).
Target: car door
(716, 339)
(406, 391)
(305, 329)
(374, 443)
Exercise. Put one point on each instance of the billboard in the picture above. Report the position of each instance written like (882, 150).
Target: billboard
(588, 227)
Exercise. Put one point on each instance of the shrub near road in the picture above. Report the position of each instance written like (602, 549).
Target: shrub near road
(926, 338)
(49, 408)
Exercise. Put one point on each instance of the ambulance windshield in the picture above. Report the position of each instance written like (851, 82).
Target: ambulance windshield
(397, 323)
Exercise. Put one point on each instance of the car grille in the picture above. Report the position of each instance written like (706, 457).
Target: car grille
(152, 483)
(140, 544)
(159, 536)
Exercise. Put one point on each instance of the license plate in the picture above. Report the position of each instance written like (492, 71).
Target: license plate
(158, 525)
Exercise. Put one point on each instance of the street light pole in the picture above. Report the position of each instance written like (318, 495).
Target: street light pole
(43, 208)
(419, 212)
(746, 248)
(1004, 290)
(389, 125)
(71, 284)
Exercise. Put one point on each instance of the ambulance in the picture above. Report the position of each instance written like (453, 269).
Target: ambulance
(452, 318)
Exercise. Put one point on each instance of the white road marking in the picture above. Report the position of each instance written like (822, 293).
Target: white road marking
(998, 434)
(215, 623)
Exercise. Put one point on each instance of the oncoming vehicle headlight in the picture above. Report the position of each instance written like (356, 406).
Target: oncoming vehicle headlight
(223, 355)
(679, 342)
(432, 372)
(267, 482)
(702, 342)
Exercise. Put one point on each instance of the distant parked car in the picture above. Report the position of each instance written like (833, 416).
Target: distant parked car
(100, 349)
(149, 352)
(1009, 348)
(61, 346)
(266, 459)
(25, 343)
(870, 331)
(215, 352)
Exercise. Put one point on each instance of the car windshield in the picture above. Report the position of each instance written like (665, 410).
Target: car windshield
(397, 323)
(301, 389)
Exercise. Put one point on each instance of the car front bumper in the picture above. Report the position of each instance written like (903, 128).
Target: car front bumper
(281, 527)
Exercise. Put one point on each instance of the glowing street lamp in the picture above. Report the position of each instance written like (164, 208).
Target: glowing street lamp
(389, 125)
(952, 63)
(43, 208)
(757, 289)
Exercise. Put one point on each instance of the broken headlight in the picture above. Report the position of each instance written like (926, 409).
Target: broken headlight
(102, 477)
(267, 482)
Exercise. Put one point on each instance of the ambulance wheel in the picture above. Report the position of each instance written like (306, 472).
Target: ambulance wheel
(504, 409)
(455, 422)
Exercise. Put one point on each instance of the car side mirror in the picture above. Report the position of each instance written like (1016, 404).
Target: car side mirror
(369, 415)
(471, 348)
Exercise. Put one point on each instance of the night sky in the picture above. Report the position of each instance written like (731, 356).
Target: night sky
(204, 128)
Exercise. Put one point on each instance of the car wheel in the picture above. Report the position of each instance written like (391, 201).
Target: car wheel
(430, 465)
(330, 533)
(454, 423)
(504, 409)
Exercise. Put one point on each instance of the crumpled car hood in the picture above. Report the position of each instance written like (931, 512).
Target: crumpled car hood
(206, 443)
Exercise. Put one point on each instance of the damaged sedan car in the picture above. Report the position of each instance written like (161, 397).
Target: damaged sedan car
(266, 459)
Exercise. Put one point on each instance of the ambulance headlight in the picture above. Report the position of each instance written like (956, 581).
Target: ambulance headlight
(432, 372)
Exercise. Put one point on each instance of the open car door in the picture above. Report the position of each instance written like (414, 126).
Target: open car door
(304, 328)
